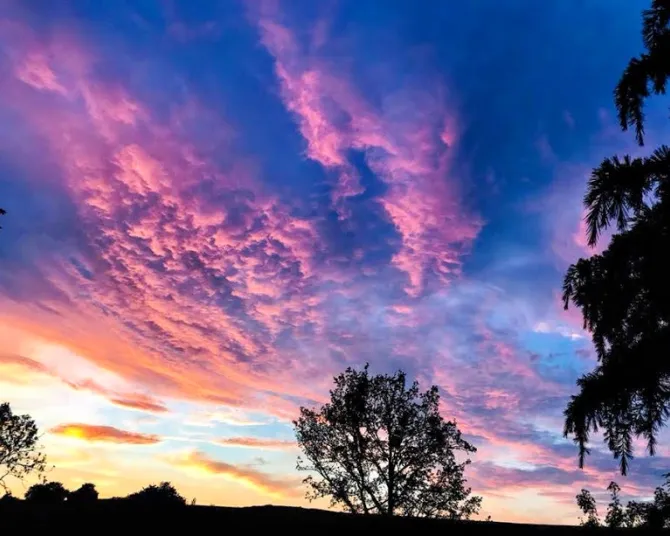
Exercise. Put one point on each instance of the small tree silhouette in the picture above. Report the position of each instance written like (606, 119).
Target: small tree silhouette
(587, 504)
(164, 494)
(616, 517)
(19, 455)
(381, 446)
(47, 493)
(86, 494)
(653, 514)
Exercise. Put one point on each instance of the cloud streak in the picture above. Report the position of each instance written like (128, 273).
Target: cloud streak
(257, 443)
(246, 476)
(135, 401)
(104, 434)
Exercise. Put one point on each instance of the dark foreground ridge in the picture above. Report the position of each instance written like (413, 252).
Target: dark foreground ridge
(110, 516)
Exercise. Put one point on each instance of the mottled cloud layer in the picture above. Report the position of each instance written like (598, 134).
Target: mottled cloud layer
(211, 215)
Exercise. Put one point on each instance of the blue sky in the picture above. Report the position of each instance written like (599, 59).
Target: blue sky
(215, 207)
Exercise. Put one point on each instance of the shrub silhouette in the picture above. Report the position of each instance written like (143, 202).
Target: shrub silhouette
(47, 493)
(86, 494)
(8, 498)
(163, 494)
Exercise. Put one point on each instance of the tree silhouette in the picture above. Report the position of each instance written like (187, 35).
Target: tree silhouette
(47, 493)
(382, 447)
(163, 494)
(616, 517)
(587, 504)
(624, 293)
(650, 69)
(19, 455)
(8, 499)
(654, 514)
(637, 513)
(86, 494)
(2, 213)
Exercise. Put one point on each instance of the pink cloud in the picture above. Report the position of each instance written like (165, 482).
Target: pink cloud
(36, 72)
(408, 144)
(195, 282)
(138, 401)
(257, 443)
(216, 281)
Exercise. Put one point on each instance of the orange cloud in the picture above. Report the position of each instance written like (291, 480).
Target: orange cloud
(24, 363)
(246, 476)
(256, 443)
(105, 434)
(140, 402)
(137, 401)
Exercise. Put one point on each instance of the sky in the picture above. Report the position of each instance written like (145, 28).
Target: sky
(215, 207)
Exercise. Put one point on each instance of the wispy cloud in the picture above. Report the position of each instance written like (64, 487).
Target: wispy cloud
(136, 401)
(24, 363)
(105, 434)
(408, 144)
(247, 476)
(257, 443)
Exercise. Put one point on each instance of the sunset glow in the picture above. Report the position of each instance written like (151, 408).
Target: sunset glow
(215, 207)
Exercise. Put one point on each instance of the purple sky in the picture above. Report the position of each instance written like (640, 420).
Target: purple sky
(214, 207)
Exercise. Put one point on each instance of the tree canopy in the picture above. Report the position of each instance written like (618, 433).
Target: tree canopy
(47, 493)
(19, 454)
(85, 494)
(587, 504)
(624, 292)
(381, 446)
(163, 494)
(652, 514)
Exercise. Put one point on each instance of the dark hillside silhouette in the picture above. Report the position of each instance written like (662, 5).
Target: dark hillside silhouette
(120, 516)
(624, 293)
